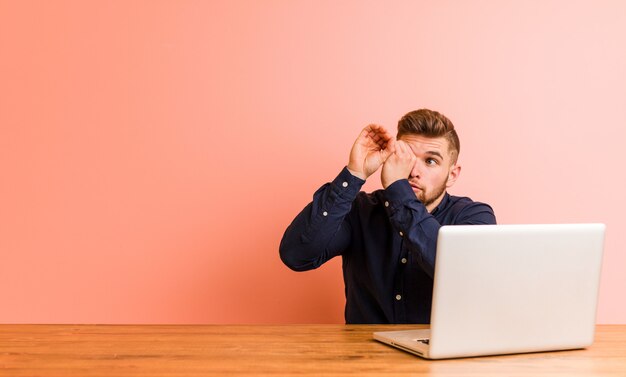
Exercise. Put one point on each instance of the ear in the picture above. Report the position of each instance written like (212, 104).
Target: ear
(453, 174)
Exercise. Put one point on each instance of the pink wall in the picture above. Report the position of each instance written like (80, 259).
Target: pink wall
(152, 152)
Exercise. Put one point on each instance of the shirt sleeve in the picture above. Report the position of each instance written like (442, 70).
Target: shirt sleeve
(418, 228)
(322, 230)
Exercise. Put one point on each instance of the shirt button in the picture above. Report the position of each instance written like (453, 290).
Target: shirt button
(325, 213)
(403, 260)
(401, 234)
(398, 297)
(345, 184)
(386, 204)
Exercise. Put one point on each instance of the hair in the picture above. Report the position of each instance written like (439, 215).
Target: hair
(430, 123)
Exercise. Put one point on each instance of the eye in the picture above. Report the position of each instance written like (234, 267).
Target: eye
(431, 161)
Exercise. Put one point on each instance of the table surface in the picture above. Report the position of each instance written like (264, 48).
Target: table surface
(216, 350)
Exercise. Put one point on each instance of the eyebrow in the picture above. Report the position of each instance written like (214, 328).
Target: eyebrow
(435, 153)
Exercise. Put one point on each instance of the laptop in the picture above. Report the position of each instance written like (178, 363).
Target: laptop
(503, 289)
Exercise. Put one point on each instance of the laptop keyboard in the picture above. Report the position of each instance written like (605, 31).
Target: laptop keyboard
(425, 341)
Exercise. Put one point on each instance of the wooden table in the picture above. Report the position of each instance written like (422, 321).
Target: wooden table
(219, 350)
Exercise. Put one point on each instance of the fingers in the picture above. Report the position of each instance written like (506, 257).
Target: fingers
(375, 138)
(401, 147)
(391, 146)
(388, 150)
(398, 164)
(404, 153)
(378, 134)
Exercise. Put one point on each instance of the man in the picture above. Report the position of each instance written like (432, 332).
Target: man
(387, 238)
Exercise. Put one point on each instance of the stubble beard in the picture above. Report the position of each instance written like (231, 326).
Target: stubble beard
(428, 198)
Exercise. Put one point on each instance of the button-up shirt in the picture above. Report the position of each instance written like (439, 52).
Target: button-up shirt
(387, 240)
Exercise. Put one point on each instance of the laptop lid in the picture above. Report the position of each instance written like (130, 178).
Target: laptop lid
(515, 288)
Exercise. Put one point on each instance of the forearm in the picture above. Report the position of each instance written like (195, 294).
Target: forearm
(420, 229)
(417, 227)
(322, 230)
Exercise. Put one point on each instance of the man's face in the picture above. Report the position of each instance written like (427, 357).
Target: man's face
(433, 171)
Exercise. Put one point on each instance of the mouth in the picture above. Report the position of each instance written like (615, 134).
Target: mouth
(415, 187)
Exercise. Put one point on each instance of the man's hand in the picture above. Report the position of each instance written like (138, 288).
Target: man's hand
(370, 150)
(398, 165)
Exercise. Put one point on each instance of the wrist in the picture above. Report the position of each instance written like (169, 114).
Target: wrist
(388, 181)
(356, 173)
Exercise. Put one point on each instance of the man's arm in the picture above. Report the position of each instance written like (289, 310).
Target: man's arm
(419, 228)
(322, 230)
(410, 218)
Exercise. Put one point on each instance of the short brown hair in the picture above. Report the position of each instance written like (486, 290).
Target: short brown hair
(430, 124)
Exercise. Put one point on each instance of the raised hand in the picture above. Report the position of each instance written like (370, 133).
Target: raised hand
(398, 165)
(370, 150)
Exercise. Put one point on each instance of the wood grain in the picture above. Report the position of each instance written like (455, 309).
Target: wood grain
(261, 350)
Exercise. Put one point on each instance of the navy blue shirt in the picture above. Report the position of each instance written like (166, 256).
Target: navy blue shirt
(387, 240)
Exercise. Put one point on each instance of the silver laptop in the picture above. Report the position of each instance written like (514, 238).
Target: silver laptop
(502, 289)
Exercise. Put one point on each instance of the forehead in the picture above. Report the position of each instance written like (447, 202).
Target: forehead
(423, 144)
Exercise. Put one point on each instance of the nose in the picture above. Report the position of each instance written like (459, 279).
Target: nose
(415, 172)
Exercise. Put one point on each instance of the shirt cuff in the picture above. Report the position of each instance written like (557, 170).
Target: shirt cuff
(346, 184)
(400, 192)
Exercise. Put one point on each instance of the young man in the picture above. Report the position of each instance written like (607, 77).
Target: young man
(387, 238)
